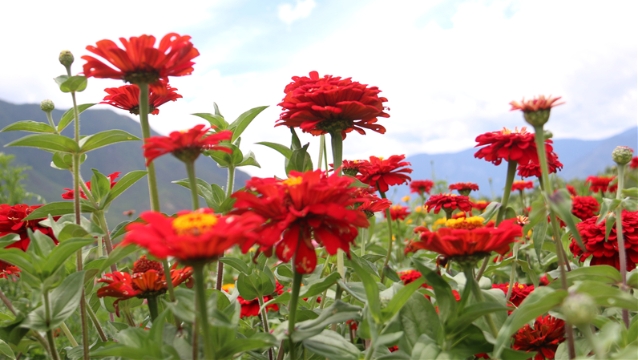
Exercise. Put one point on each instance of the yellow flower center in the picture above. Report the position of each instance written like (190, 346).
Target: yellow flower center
(406, 198)
(228, 287)
(465, 223)
(293, 181)
(438, 223)
(194, 223)
(507, 131)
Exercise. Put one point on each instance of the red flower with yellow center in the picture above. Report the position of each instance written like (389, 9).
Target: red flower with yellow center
(68, 195)
(522, 185)
(186, 145)
(140, 61)
(533, 168)
(543, 339)
(330, 104)
(193, 236)
(507, 145)
(466, 237)
(127, 97)
(398, 212)
(307, 206)
(448, 202)
(421, 186)
(382, 173)
(601, 183)
(606, 252)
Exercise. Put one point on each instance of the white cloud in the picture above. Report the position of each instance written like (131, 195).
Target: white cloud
(290, 13)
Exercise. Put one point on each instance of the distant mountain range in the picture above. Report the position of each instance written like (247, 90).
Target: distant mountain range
(124, 157)
(581, 158)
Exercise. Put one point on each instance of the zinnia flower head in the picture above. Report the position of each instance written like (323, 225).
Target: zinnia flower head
(7, 270)
(448, 202)
(399, 212)
(68, 195)
(464, 188)
(351, 167)
(369, 202)
(421, 186)
(330, 104)
(634, 163)
(600, 183)
(507, 145)
(533, 168)
(193, 236)
(480, 205)
(305, 207)
(522, 185)
(543, 338)
(606, 252)
(127, 97)
(12, 222)
(186, 145)
(140, 61)
(536, 111)
(584, 207)
(382, 173)
(519, 291)
(251, 307)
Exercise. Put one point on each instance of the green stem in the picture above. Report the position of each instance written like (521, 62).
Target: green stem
(390, 240)
(146, 133)
(107, 236)
(478, 294)
(337, 151)
(622, 253)
(364, 236)
(322, 146)
(523, 207)
(292, 309)
(69, 335)
(599, 351)
(95, 322)
(200, 293)
(263, 312)
(47, 315)
(512, 272)
(192, 179)
(509, 180)
(152, 307)
(482, 269)
(50, 120)
(230, 184)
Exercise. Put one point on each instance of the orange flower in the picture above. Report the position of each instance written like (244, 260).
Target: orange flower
(127, 97)
(186, 145)
(140, 62)
(536, 104)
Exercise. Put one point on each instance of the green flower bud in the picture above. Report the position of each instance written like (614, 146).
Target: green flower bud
(579, 309)
(536, 118)
(622, 155)
(47, 105)
(548, 134)
(66, 58)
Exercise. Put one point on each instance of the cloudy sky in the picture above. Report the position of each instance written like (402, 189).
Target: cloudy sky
(448, 68)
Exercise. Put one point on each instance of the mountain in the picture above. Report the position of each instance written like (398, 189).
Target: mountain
(124, 157)
(581, 158)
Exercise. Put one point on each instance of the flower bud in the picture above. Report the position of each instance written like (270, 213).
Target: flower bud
(622, 155)
(66, 58)
(47, 105)
(547, 134)
(579, 309)
(536, 118)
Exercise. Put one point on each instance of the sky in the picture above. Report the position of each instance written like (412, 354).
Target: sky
(448, 68)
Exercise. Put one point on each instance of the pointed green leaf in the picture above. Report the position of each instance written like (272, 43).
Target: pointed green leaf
(401, 297)
(18, 258)
(606, 295)
(30, 126)
(216, 121)
(338, 312)
(203, 189)
(418, 317)
(118, 253)
(124, 183)
(72, 84)
(490, 211)
(241, 123)
(105, 138)
(249, 160)
(100, 186)
(631, 192)
(5, 350)
(332, 345)
(47, 142)
(56, 209)
(319, 286)
(371, 288)
(237, 346)
(61, 253)
(237, 264)
(282, 149)
(445, 299)
(603, 274)
(8, 239)
(69, 115)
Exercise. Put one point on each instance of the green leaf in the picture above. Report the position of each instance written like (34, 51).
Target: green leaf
(490, 211)
(425, 348)
(64, 161)
(249, 160)
(247, 287)
(299, 160)
(238, 264)
(30, 126)
(203, 189)
(47, 142)
(124, 183)
(75, 83)
(561, 204)
(600, 273)
(631, 192)
(241, 123)
(605, 295)
(61, 253)
(56, 209)
(8, 239)
(100, 186)
(118, 253)
(418, 317)
(371, 288)
(445, 299)
(471, 313)
(338, 312)
(40, 243)
(215, 120)
(237, 346)
(632, 279)
(18, 258)
(332, 345)
(282, 149)
(5, 350)
(69, 115)
(540, 301)
(105, 138)
(319, 287)
(401, 297)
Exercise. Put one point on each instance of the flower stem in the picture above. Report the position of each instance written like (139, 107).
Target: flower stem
(337, 158)
(190, 170)
(230, 184)
(390, 239)
(292, 309)
(478, 294)
(47, 319)
(322, 146)
(263, 316)
(200, 293)
(152, 307)
(364, 236)
(146, 133)
(69, 335)
(482, 269)
(96, 322)
(622, 253)
(589, 336)
(509, 180)
(107, 236)
(512, 272)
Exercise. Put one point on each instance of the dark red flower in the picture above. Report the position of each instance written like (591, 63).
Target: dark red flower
(331, 105)
(634, 163)
(533, 168)
(12, 222)
(536, 104)
(186, 145)
(398, 212)
(606, 252)
(382, 173)
(507, 145)
(543, 339)
(600, 183)
(127, 97)
(421, 186)
(140, 61)
(448, 202)
(519, 292)
(307, 206)
(522, 185)
(192, 236)
(464, 188)
(410, 276)
(584, 207)
(467, 237)
(68, 195)
(571, 189)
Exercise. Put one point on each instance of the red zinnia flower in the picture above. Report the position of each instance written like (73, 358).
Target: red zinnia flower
(410, 276)
(571, 189)
(68, 195)
(522, 185)
(140, 61)
(448, 202)
(468, 237)
(398, 212)
(634, 163)
(381, 173)
(536, 104)
(606, 252)
(192, 236)
(12, 222)
(251, 307)
(508, 145)
(187, 145)
(480, 205)
(421, 186)
(584, 207)
(533, 168)
(331, 105)
(519, 292)
(368, 202)
(600, 183)
(464, 188)
(307, 206)
(127, 97)
(548, 332)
